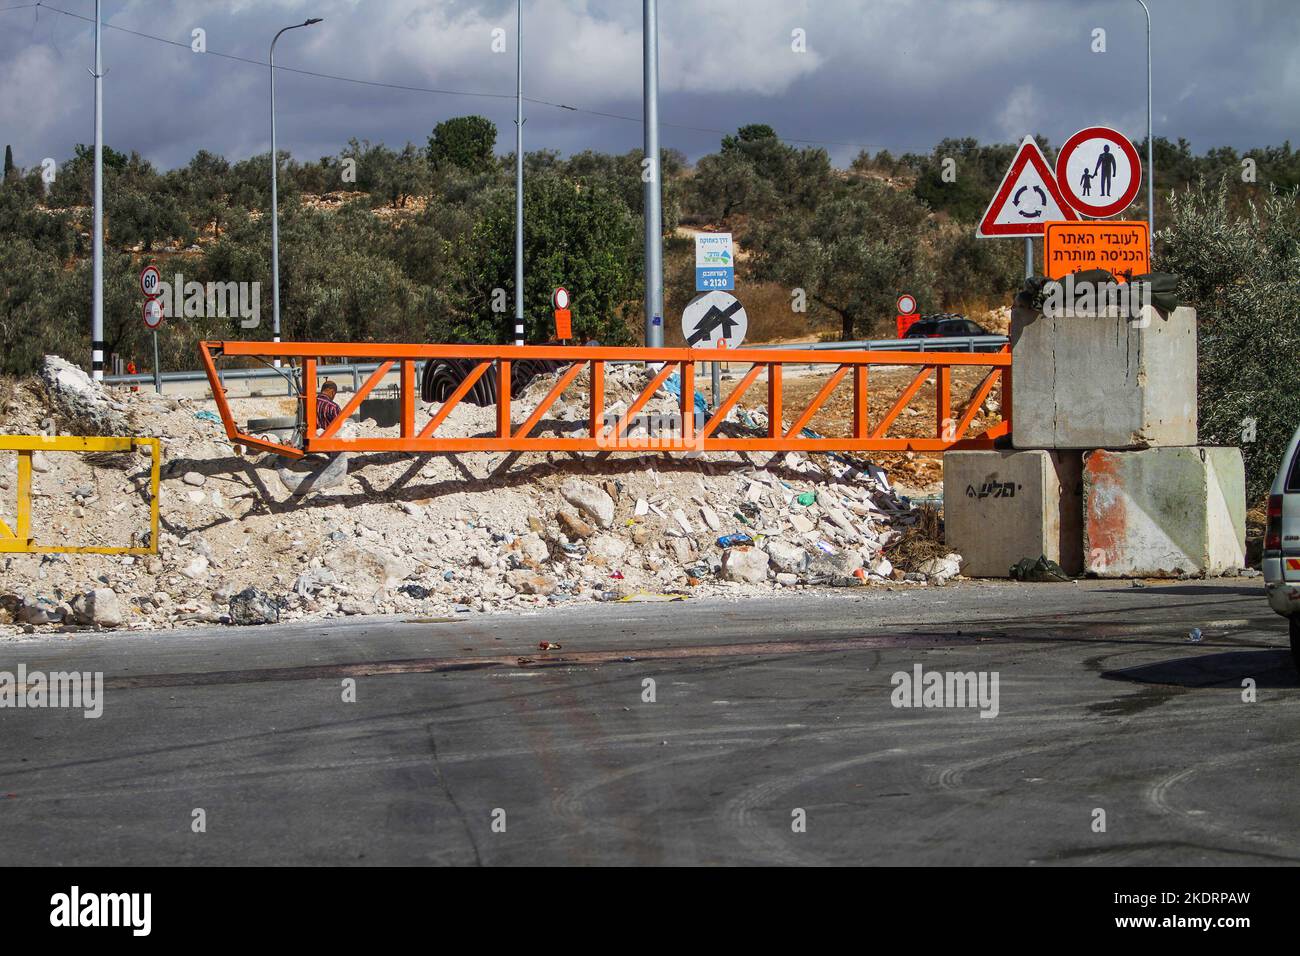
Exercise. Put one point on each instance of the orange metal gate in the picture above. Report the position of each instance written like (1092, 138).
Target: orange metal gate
(416, 435)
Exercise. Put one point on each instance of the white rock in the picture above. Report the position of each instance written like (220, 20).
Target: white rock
(99, 606)
(710, 518)
(534, 548)
(786, 557)
(609, 547)
(745, 565)
(802, 523)
(196, 569)
(594, 502)
(941, 569)
(194, 478)
(366, 571)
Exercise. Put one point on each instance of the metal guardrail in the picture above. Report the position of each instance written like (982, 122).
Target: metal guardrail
(357, 370)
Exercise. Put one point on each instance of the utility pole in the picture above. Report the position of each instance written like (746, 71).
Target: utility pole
(275, 197)
(97, 300)
(1151, 162)
(519, 176)
(654, 265)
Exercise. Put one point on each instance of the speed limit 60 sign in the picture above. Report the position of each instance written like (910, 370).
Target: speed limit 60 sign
(150, 281)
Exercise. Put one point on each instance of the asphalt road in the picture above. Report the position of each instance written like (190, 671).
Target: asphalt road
(762, 709)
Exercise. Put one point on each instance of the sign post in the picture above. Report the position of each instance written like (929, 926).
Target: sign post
(150, 282)
(153, 320)
(906, 316)
(715, 268)
(563, 317)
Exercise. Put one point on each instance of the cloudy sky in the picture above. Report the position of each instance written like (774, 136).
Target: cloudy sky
(899, 74)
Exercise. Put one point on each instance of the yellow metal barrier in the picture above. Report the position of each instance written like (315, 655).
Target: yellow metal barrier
(19, 539)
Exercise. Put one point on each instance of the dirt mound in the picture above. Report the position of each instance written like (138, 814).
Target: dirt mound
(442, 534)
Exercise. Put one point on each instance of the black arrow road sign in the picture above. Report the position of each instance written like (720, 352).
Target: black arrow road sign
(712, 319)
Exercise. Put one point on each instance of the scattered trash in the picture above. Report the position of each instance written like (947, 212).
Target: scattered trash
(549, 646)
(807, 498)
(1194, 635)
(207, 416)
(734, 540)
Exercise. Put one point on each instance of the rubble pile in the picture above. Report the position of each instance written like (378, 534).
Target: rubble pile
(245, 540)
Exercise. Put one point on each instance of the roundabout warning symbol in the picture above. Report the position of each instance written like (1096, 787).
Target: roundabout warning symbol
(1028, 198)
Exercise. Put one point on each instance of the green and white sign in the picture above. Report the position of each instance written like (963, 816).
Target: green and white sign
(715, 266)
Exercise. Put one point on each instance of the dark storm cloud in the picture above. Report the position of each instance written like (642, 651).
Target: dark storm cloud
(894, 73)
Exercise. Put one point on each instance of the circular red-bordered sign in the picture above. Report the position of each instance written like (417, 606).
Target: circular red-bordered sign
(1082, 151)
(561, 298)
(906, 304)
(150, 280)
(153, 315)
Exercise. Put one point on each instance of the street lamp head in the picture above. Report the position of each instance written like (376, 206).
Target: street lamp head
(313, 20)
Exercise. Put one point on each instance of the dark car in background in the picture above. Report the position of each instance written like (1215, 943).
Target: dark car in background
(949, 325)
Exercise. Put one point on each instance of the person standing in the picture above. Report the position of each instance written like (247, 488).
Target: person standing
(326, 408)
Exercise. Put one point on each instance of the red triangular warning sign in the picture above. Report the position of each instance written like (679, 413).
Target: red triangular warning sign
(1027, 200)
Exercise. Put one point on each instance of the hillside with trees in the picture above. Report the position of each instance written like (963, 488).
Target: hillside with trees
(416, 243)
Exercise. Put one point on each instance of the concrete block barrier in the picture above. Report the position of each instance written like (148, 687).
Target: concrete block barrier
(1004, 505)
(1104, 381)
(1161, 511)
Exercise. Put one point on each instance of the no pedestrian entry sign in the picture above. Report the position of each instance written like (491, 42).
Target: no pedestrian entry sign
(1099, 171)
(153, 315)
(1027, 200)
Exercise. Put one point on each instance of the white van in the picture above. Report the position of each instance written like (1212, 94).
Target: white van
(1282, 543)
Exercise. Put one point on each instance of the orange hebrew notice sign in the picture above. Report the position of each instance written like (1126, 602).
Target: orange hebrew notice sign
(1121, 248)
(563, 324)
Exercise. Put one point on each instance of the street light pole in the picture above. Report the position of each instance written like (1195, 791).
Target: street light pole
(519, 177)
(654, 266)
(275, 196)
(1151, 162)
(97, 295)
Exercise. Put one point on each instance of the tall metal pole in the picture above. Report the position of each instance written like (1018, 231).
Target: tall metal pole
(1151, 162)
(1029, 257)
(654, 266)
(97, 295)
(519, 177)
(275, 198)
(275, 215)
